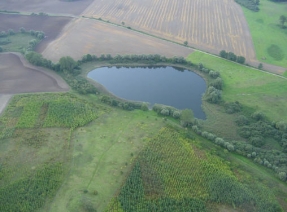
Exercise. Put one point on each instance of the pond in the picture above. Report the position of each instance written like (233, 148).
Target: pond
(171, 86)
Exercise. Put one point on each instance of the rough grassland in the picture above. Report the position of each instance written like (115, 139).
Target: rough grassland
(253, 88)
(103, 153)
(85, 36)
(269, 39)
(205, 24)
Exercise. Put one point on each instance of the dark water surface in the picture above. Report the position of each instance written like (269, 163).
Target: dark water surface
(162, 85)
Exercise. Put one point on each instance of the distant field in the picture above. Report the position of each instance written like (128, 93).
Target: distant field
(85, 36)
(51, 26)
(18, 77)
(207, 25)
(51, 6)
(269, 39)
(255, 89)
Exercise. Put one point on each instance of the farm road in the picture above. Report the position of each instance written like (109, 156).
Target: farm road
(4, 99)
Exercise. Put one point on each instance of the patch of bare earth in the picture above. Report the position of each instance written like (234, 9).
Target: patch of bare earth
(51, 26)
(85, 36)
(17, 76)
(209, 25)
(47, 6)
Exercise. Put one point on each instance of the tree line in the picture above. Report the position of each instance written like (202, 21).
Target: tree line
(249, 4)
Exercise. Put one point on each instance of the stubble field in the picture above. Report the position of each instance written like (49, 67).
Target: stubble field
(85, 36)
(210, 25)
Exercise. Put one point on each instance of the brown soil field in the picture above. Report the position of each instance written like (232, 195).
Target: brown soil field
(51, 26)
(47, 6)
(83, 36)
(17, 76)
(210, 25)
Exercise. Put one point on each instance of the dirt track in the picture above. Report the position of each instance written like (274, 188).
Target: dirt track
(17, 76)
(4, 99)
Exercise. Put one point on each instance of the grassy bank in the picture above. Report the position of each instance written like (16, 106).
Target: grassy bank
(269, 39)
(255, 89)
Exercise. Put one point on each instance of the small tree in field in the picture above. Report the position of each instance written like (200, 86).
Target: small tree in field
(185, 43)
(282, 20)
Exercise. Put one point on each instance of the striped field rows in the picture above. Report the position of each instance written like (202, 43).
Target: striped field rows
(211, 25)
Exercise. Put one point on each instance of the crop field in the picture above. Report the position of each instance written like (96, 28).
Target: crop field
(51, 26)
(252, 88)
(51, 6)
(210, 25)
(18, 77)
(85, 36)
(172, 175)
(35, 147)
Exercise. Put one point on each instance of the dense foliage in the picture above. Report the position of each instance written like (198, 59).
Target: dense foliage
(231, 56)
(29, 194)
(250, 4)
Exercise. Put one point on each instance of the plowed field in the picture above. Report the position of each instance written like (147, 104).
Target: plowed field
(47, 6)
(51, 26)
(17, 76)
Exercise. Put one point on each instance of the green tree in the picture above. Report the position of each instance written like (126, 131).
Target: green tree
(186, 117)
(22, 30)
(67, 64)
(185, 43)
(223, 54)
(282, 20)
(240, 59)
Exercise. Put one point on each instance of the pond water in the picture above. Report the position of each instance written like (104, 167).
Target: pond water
(171, 86)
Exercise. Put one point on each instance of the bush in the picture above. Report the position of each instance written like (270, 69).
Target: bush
(213, 95)
(242, 120)
(258, 116)
(232, 107)
(144, 107)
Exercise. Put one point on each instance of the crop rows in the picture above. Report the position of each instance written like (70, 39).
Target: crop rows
(30, 193)
(169, 175)
(209, 24)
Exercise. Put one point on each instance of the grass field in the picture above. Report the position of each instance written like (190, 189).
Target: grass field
(269, 39)
(255, 89)
(18, 42)
(102, 156)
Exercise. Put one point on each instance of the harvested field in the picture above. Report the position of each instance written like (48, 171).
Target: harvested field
(83, 36)
(47, 6)
(210, 25)
(51, 26)
(17, 76)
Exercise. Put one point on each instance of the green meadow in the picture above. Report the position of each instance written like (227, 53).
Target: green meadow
(269, 38)
(255, 89)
